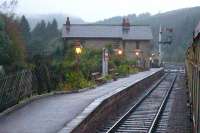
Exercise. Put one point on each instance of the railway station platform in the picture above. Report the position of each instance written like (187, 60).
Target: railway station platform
(52, 113)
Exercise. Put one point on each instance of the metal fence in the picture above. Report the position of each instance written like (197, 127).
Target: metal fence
(14, 88)
(18, 86)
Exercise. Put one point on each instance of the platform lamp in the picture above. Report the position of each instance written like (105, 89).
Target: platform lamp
(137, 54)
(120, 52)
(150, 61)
(137, 57)
(78, 51)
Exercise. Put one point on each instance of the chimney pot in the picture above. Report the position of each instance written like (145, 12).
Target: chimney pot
(125, 25)
(68, 24)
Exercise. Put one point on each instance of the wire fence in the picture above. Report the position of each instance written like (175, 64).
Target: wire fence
(14, 88)
(18, 86)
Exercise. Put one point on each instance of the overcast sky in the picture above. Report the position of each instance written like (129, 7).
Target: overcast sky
(93, 10)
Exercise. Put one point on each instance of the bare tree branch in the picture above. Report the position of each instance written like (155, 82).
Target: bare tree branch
(8, 6)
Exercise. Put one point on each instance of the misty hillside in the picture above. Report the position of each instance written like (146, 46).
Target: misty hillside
(60, 18)
(183, 21)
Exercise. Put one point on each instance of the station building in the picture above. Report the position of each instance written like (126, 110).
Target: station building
(134, 40)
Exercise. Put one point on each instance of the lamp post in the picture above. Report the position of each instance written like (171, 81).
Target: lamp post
(78, 51)
(140, 58)
(150, 61)
(105, 57)
(137, 55)
(160, 45)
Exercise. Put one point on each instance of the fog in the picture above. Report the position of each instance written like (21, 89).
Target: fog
(93, 10)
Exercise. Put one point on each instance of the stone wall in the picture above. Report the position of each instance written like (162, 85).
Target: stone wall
(101, 43)
(129, 46)
(145, 49)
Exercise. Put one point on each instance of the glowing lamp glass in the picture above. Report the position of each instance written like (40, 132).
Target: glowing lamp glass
(137, 53)
(120, 52)
(78, 50)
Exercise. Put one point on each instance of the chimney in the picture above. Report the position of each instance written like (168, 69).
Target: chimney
(124, 22)
(68, 24)
(125, 25)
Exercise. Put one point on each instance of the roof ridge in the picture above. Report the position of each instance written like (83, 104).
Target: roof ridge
(104, 25)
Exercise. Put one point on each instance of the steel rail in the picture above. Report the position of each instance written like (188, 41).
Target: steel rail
(160, 110)
(117, 124)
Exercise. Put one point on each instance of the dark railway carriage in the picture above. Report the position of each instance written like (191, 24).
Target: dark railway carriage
(193, 78)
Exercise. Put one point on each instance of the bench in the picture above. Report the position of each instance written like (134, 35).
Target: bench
(113, 73)
(97, 77)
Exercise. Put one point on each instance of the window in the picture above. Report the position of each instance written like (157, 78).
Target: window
(137, 45)
(82, 41)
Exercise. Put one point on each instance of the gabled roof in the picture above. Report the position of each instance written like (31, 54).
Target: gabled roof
(107, 31)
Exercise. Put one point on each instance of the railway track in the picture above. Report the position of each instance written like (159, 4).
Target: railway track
(144, 116)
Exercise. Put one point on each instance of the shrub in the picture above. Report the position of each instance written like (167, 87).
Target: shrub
(64, 87)
(108, 77)
(77, 81)
(123, 69)
(90, 61)
(133, 70)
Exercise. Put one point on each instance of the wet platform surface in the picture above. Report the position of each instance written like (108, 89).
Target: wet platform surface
(49, 115)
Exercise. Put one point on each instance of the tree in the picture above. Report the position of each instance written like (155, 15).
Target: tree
(25, 29)
(38, 39)
(5, 45)
(43, 37)
(39, 32)
(12, 46)
(55, 28)
(42, 28)
(48, 30)
(52, 30)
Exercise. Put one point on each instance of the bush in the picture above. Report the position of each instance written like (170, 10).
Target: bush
(132, 62)
(123, 69)
(77, 81)
(133, 70)
(90, 61)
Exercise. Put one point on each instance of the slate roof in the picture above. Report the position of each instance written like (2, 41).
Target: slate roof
(107, 31)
